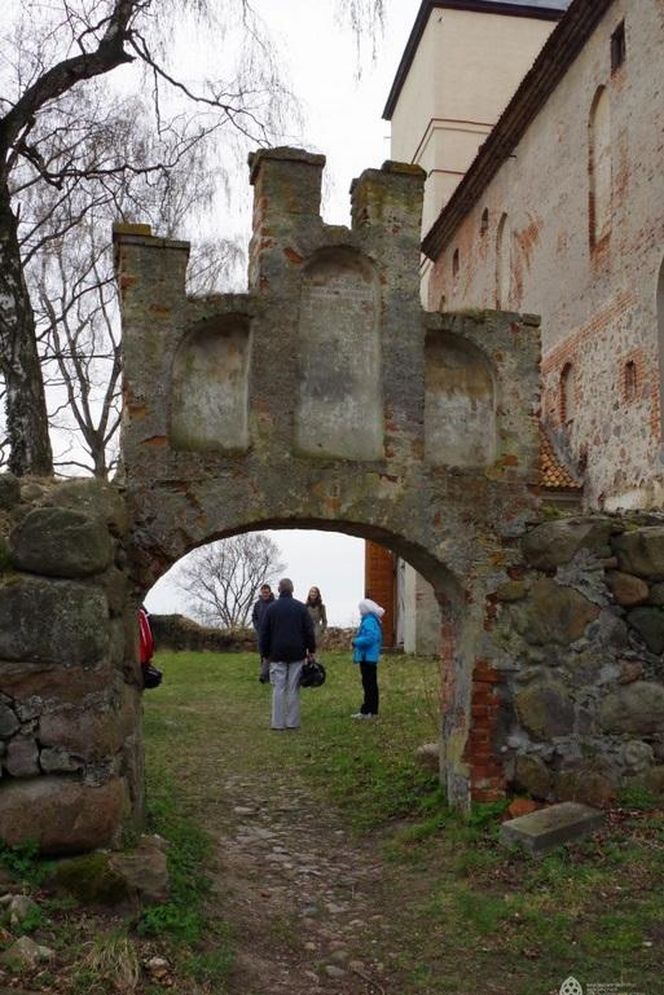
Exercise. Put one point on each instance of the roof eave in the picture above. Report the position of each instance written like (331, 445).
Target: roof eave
(422, 19)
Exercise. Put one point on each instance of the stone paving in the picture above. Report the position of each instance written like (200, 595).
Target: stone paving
(304, 898)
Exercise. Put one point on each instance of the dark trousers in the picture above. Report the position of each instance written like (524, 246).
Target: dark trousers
(370, 686)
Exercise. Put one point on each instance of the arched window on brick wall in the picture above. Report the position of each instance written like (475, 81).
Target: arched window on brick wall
(660, 341)
(484, 223)
(630, 381)
(600, 168)
(455, 264)
(502, 263)
(567, 398)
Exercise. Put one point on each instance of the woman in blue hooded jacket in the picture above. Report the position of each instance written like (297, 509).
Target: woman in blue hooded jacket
(366, 651)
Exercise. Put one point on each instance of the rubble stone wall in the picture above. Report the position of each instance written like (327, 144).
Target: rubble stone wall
(575, 704)
(70, 732)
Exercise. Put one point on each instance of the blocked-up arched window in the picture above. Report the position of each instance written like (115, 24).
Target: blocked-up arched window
(567, 398)
(340, 404)
(660, 340)
(459, 406)
(503, 263)
(599, 168)
(209, 408)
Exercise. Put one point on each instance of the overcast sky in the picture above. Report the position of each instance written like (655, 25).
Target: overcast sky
(342, 119)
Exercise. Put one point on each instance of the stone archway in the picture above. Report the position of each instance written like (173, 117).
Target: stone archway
(351, 411)
(236, 457)
(535, 674)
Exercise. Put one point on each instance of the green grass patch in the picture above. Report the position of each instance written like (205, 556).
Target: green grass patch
(182, 917)
(467, 914)
(22, 862)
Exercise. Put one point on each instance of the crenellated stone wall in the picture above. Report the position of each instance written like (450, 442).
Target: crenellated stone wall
(70, 739)
(324, 397)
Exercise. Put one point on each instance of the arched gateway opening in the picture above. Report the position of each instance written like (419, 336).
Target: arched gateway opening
(414, 489)
(215, 441)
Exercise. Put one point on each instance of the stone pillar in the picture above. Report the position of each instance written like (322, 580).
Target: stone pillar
(388, 201)
(70, 745)
(287, 190)
(151, 276)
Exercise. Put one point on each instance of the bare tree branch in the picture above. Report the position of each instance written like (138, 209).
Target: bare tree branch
(222, 580)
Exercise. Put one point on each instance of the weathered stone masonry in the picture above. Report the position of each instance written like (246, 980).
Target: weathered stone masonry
(248, 411)
(577, 708)
(326, 398)
(70, 739)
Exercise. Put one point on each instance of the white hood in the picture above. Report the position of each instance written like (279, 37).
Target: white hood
(369, 607)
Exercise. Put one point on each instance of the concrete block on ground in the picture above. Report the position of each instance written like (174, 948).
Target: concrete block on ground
(551, 826)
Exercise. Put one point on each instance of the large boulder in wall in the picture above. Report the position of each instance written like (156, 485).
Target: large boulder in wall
(59, 542)
(642, 552)
(52, 622)
(61, 814)
(555, 614)
(545, 710)
(637, 709)
(554, 543)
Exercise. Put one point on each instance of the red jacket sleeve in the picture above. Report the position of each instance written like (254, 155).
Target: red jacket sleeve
(146, 641)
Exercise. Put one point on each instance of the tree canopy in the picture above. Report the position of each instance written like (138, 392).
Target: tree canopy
(101, 111)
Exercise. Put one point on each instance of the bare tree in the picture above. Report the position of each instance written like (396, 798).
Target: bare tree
(70, 273)
(222, 580)
(54, 136)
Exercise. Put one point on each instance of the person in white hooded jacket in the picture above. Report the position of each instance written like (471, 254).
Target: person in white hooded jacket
(366, 651)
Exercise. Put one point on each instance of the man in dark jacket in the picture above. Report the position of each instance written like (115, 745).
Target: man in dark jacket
(265, 599)
(286, 640)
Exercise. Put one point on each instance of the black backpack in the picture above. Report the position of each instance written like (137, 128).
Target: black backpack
(152, 676)
(312, 675)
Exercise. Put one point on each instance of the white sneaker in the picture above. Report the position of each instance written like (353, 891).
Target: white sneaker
(363, 715)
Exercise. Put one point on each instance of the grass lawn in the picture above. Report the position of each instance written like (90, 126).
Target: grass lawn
(462, 914)
(467, 911)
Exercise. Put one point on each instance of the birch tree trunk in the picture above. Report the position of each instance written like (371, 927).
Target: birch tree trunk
(27, 422)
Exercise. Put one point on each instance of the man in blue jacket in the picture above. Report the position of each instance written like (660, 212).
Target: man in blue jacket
(258, 614)
(286, 640)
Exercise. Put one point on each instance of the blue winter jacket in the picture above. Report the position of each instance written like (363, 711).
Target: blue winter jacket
(368, 640)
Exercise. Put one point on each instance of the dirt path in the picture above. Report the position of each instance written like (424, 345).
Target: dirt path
(305, 900)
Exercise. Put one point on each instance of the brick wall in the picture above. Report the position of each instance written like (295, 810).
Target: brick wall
(598, 300)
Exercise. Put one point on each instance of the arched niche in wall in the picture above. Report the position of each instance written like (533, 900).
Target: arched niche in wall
(600, 167)
(660, 344)
(503, 262)
(459, 406)
(209, 390)
(567, 394)
(340, 403)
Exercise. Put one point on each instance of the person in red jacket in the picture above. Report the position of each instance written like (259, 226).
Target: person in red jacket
(151, 674)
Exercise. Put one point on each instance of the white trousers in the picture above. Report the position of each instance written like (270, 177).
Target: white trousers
(285, 680)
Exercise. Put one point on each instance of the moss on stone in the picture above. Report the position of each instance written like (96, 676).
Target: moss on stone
(5, 556)
(90, 879)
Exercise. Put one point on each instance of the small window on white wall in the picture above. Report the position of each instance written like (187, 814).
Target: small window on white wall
(618, 47)
(455, 264)
(630, 380)
(484, 223)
